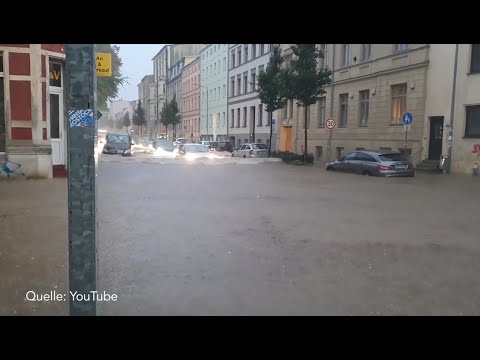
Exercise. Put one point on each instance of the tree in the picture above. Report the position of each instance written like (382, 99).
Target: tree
(165, 116)
(126, 120)
(175, 114)
(269, 87)
(108, 86)
(139, 116)
(170, 115)
(304, 80)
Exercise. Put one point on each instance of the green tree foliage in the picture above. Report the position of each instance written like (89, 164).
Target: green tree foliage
(304, 79)
(170, 115)
(269, 87)
(108, 86)
(139, 115)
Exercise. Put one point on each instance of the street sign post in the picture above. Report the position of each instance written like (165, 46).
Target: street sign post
(407, 119)
(331, 124)
(80, 88)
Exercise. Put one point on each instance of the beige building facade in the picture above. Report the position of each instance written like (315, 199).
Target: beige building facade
(464, 135)
(373, 85)
(191, 101)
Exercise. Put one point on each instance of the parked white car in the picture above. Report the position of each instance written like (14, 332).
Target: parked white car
(251, 151)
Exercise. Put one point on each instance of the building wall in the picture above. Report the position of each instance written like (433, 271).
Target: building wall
(190, 128)
(145, 95)
(214, 70)
(26, 107)
(376, 75)
(467, 93)
(240, 99)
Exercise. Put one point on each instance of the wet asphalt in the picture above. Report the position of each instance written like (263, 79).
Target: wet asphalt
(274, 239)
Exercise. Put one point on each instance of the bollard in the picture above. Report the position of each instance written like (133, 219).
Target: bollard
(475, 169)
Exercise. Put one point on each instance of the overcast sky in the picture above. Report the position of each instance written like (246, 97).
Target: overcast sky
(137, 62)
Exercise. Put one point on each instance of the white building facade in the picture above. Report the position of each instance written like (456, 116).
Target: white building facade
(213, 90)
(247, 119)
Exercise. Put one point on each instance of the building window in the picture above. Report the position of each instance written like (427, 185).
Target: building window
(400, 47)
(343, 118)
(245, 141)
(3, 127)
(232, 86)
(399, 102)
(245, 116)
(260, 69)
(290, 112)
(245, 82)
(232, 121)
(232, 65)
(366, 52)
(262, 49)
(252, 116)
(238, 117)
(55, 74)
(224, 64)
(224, 90)
(214, 68)
(211, 98)
(211, 120)
(339, 152)
(254, 51)
(260, 115)
(346, 54)
(472, 125)
(364, 99)
(239, 55)
(475, 60)
(319, 152)
(253, 79)
(308, 118)
(322, 108)
(324, 59)
(245, 52)
(285, 110)
(239, 84)
(224, 123)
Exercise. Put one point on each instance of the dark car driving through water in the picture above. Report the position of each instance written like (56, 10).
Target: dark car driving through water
(116, 143)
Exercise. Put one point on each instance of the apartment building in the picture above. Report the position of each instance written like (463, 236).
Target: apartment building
(174, 87)
(146, 94)
(214, 100)
(373, 85)
(248, 120)
(33, 128)
(162, 62)
(464, 135)
(190, 128)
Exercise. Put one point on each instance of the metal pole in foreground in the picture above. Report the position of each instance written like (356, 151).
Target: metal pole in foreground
(80, 83)
(452, 112)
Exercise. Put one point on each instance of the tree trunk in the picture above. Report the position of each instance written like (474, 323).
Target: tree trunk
(305, 148)
(271, 132)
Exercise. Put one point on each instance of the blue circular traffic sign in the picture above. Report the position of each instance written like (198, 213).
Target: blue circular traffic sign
(407, 118)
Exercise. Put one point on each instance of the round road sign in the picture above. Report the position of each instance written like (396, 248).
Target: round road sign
(330, 124)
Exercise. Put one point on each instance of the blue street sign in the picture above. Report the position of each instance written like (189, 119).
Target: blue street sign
(273, 121)
(407, 118)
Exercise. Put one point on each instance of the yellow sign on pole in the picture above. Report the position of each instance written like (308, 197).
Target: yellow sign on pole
(104, 64)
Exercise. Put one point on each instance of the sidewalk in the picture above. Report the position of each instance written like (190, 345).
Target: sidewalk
(33, 245)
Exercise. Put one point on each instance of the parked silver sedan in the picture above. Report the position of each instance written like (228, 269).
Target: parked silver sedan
(373, 163)
(251, 151)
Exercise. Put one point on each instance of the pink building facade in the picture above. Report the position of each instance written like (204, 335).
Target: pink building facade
(190, 107)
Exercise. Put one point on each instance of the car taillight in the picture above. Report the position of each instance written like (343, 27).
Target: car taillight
(384, 167)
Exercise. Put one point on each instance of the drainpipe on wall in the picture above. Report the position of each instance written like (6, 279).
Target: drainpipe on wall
(329, 148)
(452, 113)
